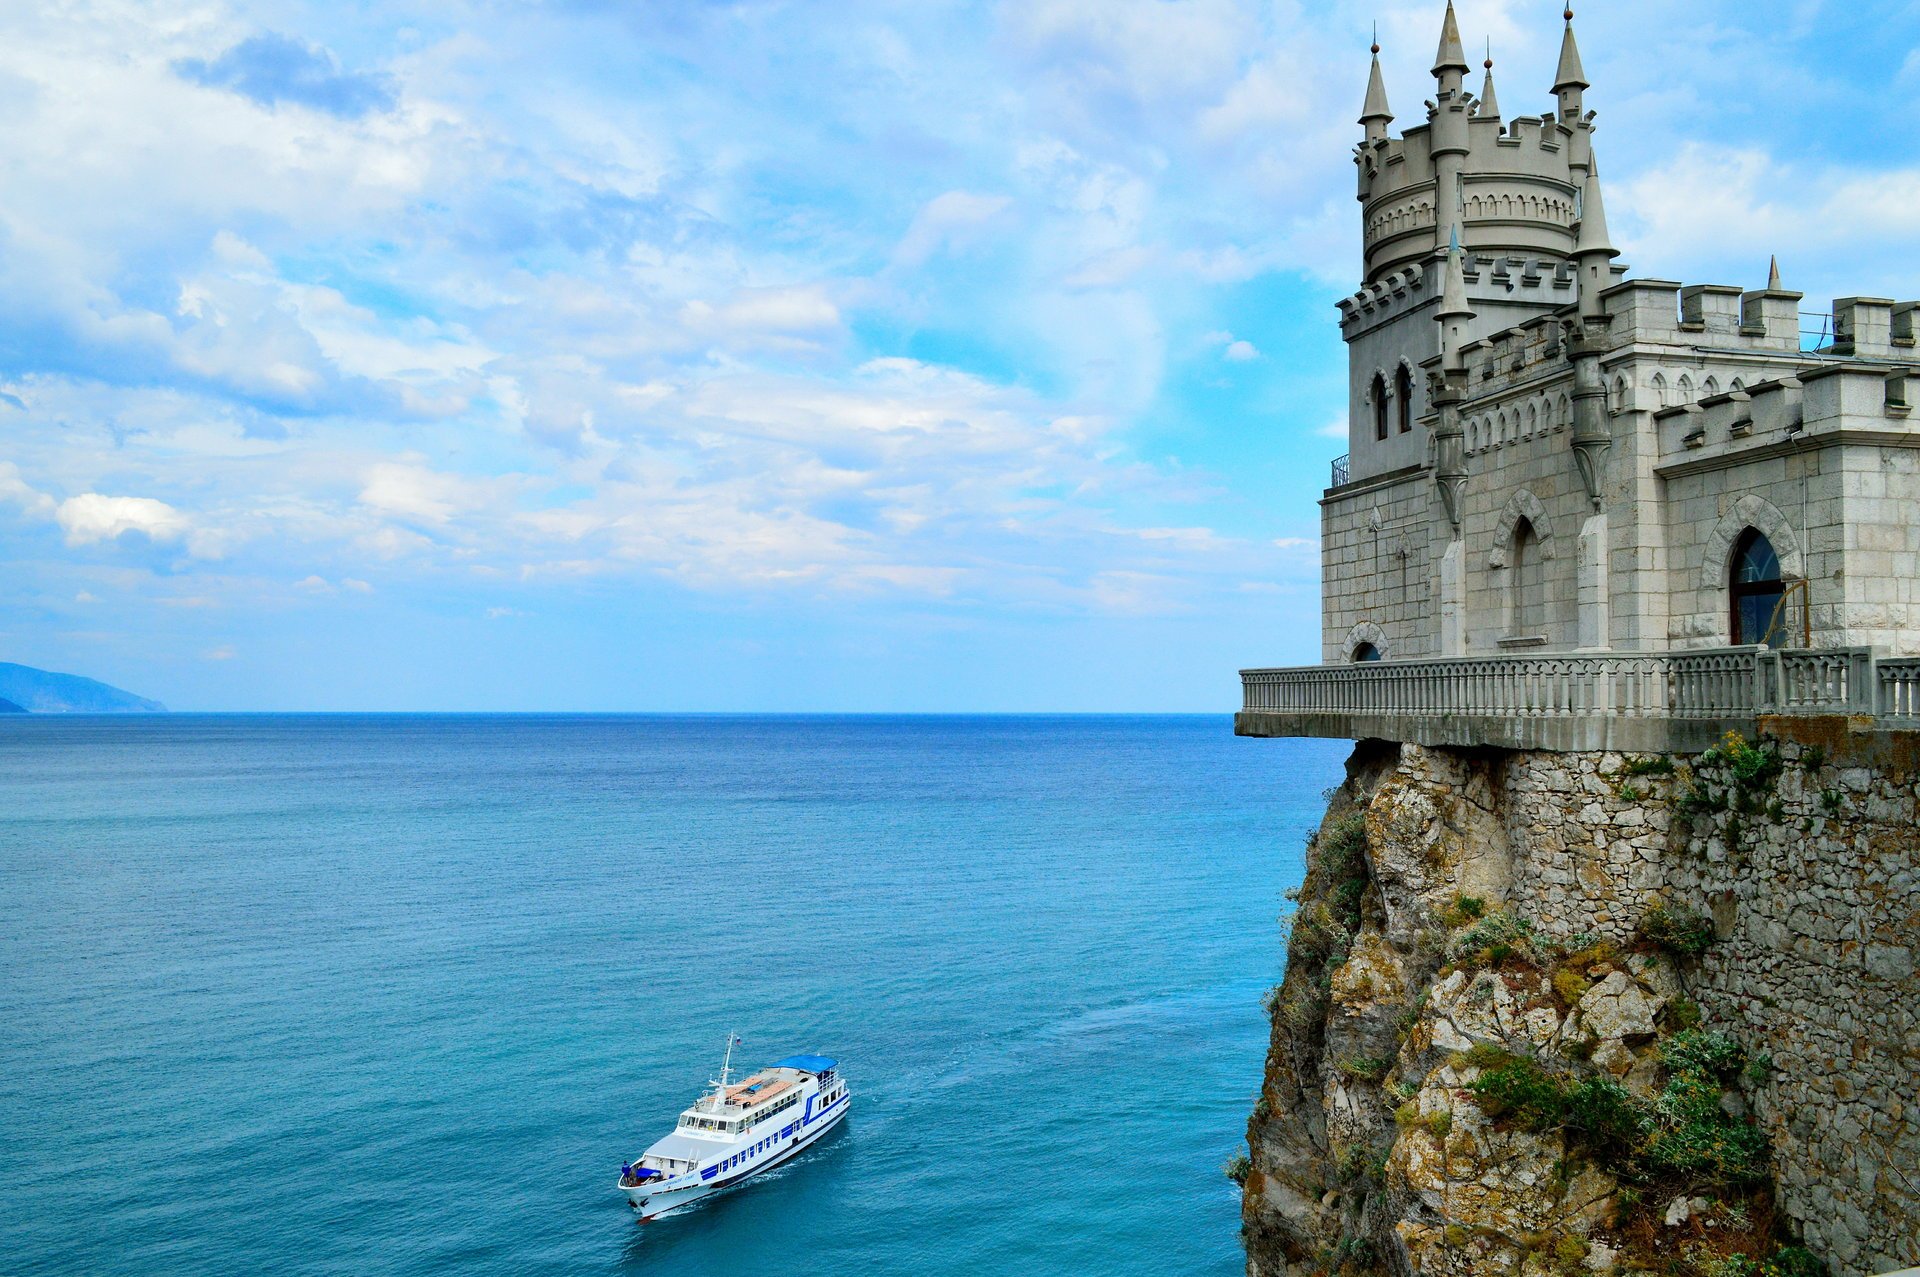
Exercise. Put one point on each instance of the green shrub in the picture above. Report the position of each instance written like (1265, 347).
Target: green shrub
(1237, 1168)
(1678, 929)
(1343, 845)
(1600, 1112)
(1498, 937)
(1570, 985)
(1684, 1136)
(1654, 765)
(1691, 1136)
(1748, 765)
(1365, 1068)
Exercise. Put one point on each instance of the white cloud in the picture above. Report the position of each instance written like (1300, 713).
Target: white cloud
(1240, 352)
(17, 491)
(91, 517)
(225, 652)
(948, 222)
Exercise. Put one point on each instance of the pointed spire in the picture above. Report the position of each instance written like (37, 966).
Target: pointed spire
(1773, 275)
(1453, 294)
(1571, 74)
(1593, 218)
(1489, 104)
(1453, 54)
(1376, 107)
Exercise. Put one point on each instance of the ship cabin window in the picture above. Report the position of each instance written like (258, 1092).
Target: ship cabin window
(1403, 397)
(1364, 653)
(1379, 407)
(1757, 591)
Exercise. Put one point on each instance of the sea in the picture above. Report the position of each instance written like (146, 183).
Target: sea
(399, 994)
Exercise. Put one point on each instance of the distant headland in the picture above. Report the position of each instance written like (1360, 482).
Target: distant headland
(24, 689)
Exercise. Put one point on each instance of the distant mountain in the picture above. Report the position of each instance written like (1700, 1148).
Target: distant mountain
(8, 707)
(44, 692)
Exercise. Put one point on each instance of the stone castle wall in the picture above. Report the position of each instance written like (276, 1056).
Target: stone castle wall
(1464, 909)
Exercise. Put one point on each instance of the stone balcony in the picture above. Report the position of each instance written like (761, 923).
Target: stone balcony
(1628, 701)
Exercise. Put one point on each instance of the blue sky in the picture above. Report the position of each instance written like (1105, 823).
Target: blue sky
(775, 356)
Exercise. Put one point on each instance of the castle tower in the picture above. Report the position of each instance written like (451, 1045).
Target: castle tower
(1511, 195)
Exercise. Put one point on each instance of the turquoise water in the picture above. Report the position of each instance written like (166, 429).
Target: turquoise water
(399, 994)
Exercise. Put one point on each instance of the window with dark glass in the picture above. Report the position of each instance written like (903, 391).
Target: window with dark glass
(1757, 592)
(1365, 652)
(1403, 397)
(1525, 611)
(1379, 406)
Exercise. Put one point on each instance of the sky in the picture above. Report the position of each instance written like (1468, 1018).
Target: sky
(774, 356)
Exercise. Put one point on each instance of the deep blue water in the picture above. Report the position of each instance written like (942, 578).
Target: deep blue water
(399, 994)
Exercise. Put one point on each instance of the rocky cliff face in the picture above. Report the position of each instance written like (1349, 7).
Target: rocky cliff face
(1583, 1013)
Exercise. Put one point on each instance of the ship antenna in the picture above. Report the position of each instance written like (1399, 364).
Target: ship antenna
(726, 1071)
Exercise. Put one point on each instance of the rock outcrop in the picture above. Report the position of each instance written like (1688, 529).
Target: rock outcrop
(1583, 1013)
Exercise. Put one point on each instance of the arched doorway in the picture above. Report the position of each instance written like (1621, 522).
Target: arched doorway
(1756, 591)
(1364, 653)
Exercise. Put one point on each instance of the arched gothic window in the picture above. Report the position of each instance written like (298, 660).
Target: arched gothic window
(1364, 653)
(1403, 392)
(1379, 406)
(1757, 591)
(1526, 613)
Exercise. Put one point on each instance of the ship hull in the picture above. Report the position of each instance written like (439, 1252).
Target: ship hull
(652, 1203)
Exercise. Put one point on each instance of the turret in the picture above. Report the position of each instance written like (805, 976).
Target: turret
(1376, 115)
(1450, 63)
(1449, 386)
(1489, 108)
(1450, 138)
(1593, 250)
(1570, 81)
(1455, 311)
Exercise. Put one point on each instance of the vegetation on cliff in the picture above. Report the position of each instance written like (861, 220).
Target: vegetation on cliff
(1474, 1071)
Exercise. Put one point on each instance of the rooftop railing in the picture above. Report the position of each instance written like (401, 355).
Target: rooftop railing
(1581, 700)
(1342, 470)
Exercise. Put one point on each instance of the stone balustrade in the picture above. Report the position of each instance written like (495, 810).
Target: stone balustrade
(1649, 701)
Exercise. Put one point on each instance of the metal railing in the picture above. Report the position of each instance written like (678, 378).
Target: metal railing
(1816, 329)
(1721, 684)
(1342, 470)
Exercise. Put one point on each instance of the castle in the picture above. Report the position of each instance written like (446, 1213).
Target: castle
(1549, 458)
(1620, 609)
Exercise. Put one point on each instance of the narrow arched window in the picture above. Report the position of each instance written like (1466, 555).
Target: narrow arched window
(1757, 592)
(1525, 613)
(1403, 390)
(1364, 653)
(1379, 406)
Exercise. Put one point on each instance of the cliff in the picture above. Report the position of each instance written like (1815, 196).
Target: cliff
(1551, 1013)
(45, 692)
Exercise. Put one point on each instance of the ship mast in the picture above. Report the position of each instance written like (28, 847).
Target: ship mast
(726, 1072)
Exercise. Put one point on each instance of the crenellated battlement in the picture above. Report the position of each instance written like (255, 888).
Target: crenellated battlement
(1509, 187)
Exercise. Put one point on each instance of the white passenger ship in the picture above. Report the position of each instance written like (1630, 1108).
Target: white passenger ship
(737, 1130)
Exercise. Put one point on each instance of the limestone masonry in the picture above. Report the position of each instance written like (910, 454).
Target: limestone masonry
(1606, 958)
(1545, 455)
(1587, 912)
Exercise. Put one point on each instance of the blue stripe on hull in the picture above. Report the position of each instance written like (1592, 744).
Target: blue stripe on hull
(823, 1121)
